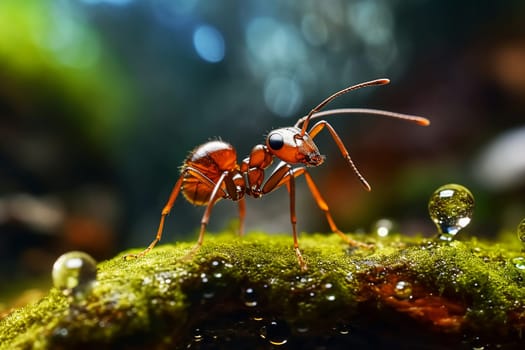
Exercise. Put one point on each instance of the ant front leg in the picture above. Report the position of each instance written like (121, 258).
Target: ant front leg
(317, 129)
(321, 203)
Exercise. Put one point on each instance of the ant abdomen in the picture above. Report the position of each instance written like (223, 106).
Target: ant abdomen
(204, 167)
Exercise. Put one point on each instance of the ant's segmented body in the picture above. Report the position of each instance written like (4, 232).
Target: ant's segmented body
(211, 171)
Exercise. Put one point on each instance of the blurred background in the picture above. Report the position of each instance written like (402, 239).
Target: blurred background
(101, 101)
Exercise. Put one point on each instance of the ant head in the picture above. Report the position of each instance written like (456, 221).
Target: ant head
(289, 145)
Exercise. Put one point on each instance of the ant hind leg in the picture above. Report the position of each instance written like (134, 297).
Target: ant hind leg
(165, 211)
(206, 218)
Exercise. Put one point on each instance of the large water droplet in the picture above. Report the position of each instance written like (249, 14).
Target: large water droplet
(521, 232)
(276, 332)
(74, 273)
(451, 208)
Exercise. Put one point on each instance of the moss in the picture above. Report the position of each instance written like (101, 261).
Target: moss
(250, 292)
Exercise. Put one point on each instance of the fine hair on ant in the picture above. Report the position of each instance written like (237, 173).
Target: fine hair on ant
(211, 171)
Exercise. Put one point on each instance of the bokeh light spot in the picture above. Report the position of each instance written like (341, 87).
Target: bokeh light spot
(209, 43)
(111, 2)
(274, 46)
(314, 29)
(282, 95)
(372, 21)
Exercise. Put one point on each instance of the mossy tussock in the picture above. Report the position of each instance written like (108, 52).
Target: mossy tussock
(251, 293)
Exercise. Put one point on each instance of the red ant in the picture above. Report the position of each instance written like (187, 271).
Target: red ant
(211, 172)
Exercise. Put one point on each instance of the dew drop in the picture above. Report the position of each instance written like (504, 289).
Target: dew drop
(403, 290)
(451, 208)
(342, 328)
(302, 328)
(74, 273)
(521, 232)
(383, 227)
(349, 277)
(519, 262)
(249, 296)
(276, 332)
(197, 335)
(330, 297)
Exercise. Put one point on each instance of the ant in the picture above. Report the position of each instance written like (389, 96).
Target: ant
(211, 171)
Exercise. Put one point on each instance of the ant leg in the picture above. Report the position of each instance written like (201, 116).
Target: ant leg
(320, 126)
(321, 203)
(206, 217)
(291, 189)
(242, 214)
(165, 212)
(283, 174)
(167, 208)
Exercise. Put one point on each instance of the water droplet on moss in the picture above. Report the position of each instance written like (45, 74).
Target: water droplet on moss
(74, 273)
(342, 328)
(249, 297)
(521, 232)
(276, 332)
(349, 277)
(383, 227)
(403, 290)
(451, 208)
(197, 335)
(519, 262)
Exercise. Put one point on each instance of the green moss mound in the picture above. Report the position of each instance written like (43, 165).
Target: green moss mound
(250, 293)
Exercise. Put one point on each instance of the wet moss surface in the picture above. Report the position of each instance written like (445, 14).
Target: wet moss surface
(249, 293)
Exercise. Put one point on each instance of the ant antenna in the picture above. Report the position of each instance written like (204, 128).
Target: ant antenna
(317, 113)
(368, 111)
(329, 99)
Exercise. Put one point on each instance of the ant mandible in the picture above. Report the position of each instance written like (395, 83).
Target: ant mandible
(211, 171)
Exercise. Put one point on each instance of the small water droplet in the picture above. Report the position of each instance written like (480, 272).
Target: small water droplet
(451, 208)
(250, 297)
(74, 273)
(276, 332)
(519, 262)
(521, 232)
(330, 297)
(197, 335)
(403, 290)
(342, 328)
(302, 328)
(349, 277)
(383, 227)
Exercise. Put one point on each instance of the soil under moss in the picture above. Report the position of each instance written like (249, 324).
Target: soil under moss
(250, 293)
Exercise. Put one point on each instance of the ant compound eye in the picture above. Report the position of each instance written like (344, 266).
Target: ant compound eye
(275, 141)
